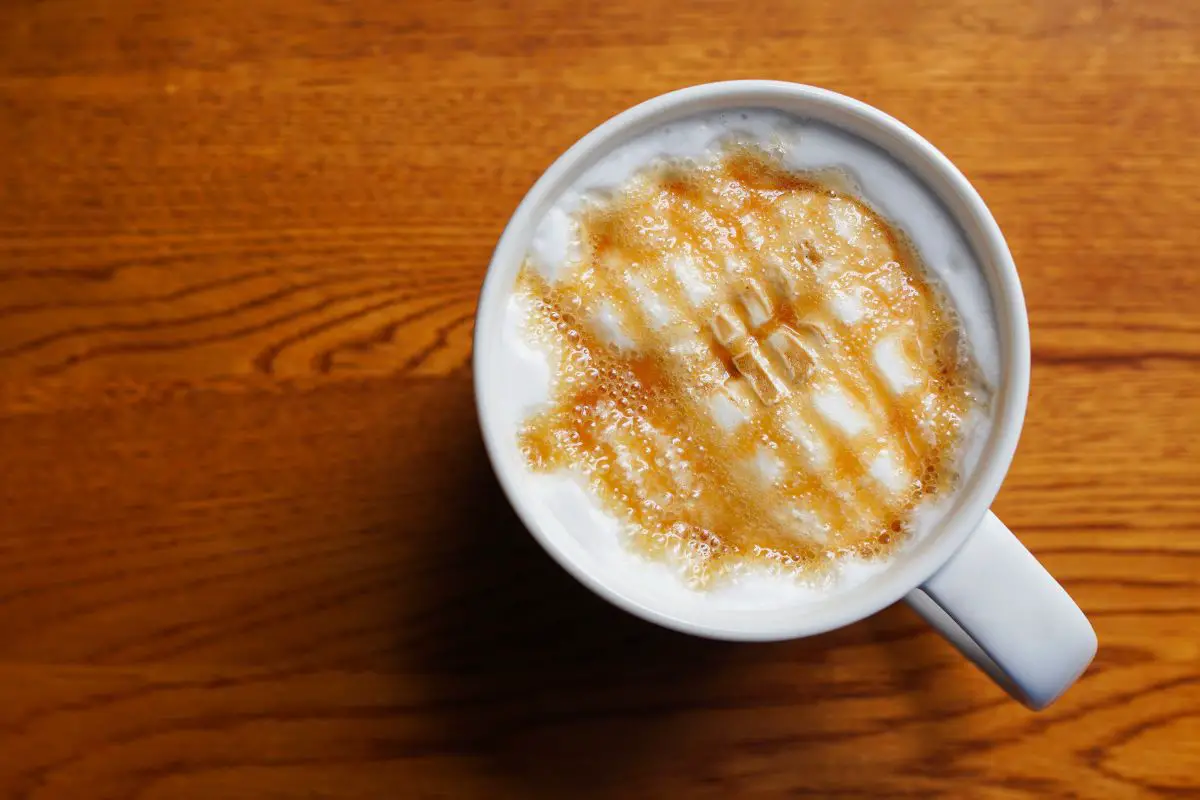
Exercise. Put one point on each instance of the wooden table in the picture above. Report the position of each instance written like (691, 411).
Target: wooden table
(249, 542)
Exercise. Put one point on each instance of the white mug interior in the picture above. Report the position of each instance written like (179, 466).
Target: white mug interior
(572, 540)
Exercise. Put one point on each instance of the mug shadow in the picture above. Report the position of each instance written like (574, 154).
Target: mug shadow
(553, 692)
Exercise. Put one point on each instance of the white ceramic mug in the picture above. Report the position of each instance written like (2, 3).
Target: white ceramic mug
(971, 578)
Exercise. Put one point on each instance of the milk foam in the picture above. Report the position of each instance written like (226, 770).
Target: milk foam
(882, 183)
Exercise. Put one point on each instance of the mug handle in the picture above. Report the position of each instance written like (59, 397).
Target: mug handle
(1006, 613)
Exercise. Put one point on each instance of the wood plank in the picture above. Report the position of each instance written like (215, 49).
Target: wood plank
(250, 545)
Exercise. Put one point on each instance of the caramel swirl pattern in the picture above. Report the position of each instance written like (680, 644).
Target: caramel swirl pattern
(750, 367)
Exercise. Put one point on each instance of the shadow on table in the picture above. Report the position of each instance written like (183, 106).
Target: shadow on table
(554, 692)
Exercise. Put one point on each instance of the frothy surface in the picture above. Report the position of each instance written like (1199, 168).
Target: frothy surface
(748, 422)
(558, 250)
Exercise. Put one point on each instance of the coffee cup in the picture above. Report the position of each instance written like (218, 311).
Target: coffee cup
(969, 577)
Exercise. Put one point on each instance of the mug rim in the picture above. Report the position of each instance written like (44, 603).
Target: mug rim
(969, 213)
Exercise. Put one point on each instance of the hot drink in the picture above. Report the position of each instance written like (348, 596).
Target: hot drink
(752, 367)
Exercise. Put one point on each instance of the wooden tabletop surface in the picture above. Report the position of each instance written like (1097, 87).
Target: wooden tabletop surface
(250, 545)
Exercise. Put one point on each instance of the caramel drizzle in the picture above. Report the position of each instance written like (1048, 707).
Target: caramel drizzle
(638, 422)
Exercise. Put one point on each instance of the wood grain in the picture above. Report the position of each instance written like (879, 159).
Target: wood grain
(249, 542)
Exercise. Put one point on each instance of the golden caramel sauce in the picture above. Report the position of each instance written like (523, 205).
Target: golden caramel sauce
(717, 375)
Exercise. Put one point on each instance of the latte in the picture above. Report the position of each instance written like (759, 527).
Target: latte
(752, 369)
